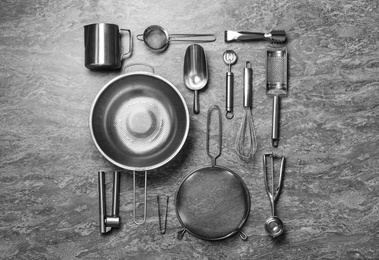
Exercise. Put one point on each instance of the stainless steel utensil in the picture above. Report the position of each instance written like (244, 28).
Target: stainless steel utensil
(157, 38)
(102, 42)
(276, 36)
(113, 221)
(273, 225)
(276, 84)
(246, 143)
(162, 228)
(213, 202)
(195, 72)
(230, 58)
(139, 121)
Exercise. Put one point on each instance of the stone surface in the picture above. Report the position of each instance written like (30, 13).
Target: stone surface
(329, 129)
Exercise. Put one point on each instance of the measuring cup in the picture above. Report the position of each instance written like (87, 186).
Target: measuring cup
(157, 38)
(102, 42)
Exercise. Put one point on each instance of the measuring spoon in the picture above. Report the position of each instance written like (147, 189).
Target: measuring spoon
(195, 72)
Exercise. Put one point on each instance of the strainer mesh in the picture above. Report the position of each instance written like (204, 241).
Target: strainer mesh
(155, 38)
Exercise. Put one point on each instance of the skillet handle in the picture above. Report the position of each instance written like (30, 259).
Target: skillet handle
(138, 64)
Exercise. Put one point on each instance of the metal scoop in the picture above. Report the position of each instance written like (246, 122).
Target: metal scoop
(273, 225)
(195, 72)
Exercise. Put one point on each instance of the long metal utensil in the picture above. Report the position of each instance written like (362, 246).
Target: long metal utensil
(230, 58)
(113, 221)
(276, 84)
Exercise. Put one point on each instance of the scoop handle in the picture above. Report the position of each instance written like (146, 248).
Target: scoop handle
(196, 106)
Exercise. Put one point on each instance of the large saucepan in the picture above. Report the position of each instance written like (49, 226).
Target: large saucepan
(139, 121)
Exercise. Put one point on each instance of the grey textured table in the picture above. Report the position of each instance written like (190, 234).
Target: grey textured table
(329, 129)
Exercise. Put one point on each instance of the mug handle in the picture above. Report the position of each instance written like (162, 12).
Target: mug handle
(130, 44)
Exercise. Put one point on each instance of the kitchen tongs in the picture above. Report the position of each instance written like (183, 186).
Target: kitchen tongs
(275, 36)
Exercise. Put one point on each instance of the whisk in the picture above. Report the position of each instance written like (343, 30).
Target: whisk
(246, 143)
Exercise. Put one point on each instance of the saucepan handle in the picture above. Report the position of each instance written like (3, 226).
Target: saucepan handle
(138, 64)
(144, 201)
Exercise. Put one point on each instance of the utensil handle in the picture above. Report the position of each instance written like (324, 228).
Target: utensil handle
(229, 94)
(231, 36)
(138, 64)
(192, 37)
(210, 111)
(196, 106)
(102, 208)
(248, 85)
(130, 44)
(116, 194)
(139, 37)
(144, 201)
(114, 220)
(275, 121)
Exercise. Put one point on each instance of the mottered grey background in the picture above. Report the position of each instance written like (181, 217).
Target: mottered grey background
(329, 129)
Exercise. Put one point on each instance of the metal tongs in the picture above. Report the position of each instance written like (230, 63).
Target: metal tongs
(273, 225)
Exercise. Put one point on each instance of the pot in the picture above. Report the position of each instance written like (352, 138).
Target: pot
(139, 121)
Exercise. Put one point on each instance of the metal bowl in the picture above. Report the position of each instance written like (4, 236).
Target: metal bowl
(139, 121)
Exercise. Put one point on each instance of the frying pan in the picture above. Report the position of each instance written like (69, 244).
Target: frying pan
(139, 121)
(212, 202)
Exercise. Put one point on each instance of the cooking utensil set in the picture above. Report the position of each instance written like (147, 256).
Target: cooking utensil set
(140, 121)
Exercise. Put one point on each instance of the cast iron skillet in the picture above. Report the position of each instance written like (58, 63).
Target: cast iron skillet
(212, 202)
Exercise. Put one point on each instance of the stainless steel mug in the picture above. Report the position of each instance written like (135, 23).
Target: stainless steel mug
(102, 43)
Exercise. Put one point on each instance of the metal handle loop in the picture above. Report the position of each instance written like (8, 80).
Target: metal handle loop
(144, 201)
(130, 44)
(138, 64)
(210, 110)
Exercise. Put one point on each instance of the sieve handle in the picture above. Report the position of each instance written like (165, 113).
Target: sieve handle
(193, 37)
(210, 111)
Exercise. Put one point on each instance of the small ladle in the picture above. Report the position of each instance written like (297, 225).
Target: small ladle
(273, 225)
(195, 72)
(230, 58)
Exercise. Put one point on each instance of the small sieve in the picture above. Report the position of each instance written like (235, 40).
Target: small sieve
(157, 38)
